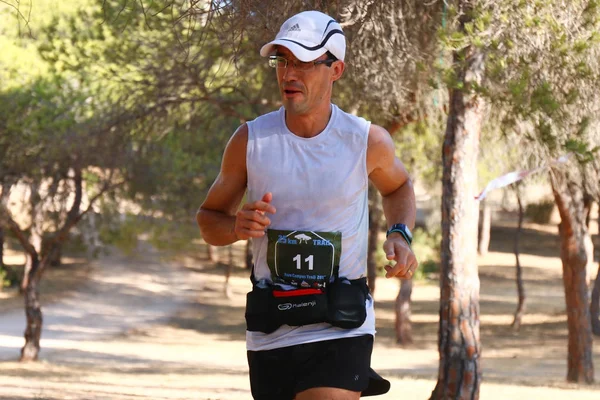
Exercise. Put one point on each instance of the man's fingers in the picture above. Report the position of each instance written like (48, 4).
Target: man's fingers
(260, 206)
(406, 263)
(396, 270)
(251, 223)
(253, 215)
(267, 197)
(403, 270)
(252, 226)
(388, 248)
(248, 233)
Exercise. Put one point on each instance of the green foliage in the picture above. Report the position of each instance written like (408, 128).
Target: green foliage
(130, 94)
(580, 147)
(19, 36)
(173, 235)
(150, 94)
(9, 277)
(427, 247)
(4, 282)
(543, 99)
(427, 269)
(419, 145)
(123, 234)
(542, 73)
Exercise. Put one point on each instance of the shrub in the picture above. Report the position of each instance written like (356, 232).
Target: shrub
(9, 277)
(427, 246)
(541, 212)
(121, 234)
(3, 281)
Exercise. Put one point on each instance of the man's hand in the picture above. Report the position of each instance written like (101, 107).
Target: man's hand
(251, 221)
(396, 249)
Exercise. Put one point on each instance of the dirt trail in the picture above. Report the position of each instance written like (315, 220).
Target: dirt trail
(121, 293)
(146, 329)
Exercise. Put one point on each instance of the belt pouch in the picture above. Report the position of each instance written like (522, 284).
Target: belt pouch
(347, 303)
(258, 306)
(300, 306)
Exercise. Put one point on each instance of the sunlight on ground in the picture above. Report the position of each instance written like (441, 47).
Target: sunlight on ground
(501, 260)
(199, 351)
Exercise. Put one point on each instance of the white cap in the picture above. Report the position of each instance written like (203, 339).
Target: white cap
(309, 35)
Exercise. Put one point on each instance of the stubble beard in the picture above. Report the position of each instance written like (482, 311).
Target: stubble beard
(295, 107)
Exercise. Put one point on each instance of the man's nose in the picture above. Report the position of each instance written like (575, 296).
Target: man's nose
(290, 72)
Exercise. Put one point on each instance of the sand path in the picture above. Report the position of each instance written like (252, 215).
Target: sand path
(142, 328)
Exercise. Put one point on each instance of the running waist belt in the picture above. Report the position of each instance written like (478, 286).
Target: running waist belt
(342, 304)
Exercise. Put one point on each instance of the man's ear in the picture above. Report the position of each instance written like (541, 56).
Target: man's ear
(338, 69)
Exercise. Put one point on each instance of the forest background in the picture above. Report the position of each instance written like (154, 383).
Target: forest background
(115, 114)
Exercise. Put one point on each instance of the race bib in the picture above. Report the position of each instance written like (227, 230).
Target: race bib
(303, 258)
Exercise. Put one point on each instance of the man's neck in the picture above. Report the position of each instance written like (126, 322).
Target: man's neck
(308, 125)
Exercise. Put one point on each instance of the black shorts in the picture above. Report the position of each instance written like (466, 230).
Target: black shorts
(280, 374)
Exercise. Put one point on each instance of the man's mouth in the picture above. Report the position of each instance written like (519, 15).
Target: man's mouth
(291, 91)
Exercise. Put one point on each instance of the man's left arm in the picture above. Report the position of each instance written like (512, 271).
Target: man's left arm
(390, 177)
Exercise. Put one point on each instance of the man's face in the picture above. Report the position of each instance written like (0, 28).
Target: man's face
(304, 91)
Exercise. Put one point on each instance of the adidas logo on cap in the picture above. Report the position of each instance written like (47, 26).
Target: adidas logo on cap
(295, 27)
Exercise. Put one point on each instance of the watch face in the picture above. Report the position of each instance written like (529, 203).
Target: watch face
(403, 229)
(407, 231)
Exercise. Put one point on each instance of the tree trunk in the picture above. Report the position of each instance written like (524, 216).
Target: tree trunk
(36, 237)
(56, 260)
(249, 255)
(566, 187)
(595, 298)
(4, 198)
(1, 247)
(210, 253)
(32, 247)
(486, 226)
(589, 256)
(1, 258)
(375, 218)
(31, 258)
(228, 267)
(403, 324)
(33, 313)
(4, 192)
(588, 202)
(459, 374)
(516, 324)
(595, 305)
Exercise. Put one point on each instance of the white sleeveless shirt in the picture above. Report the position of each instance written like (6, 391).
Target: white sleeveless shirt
(318, 184)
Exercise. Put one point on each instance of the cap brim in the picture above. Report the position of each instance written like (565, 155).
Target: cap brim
(297, 48)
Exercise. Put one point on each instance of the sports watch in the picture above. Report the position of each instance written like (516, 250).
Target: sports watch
(403, 230)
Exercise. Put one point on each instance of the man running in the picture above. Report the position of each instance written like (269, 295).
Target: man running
(305, 170)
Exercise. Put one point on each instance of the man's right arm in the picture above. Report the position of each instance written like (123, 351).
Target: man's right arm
(220, 221)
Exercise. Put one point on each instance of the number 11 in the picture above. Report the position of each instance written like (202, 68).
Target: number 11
(308, 259)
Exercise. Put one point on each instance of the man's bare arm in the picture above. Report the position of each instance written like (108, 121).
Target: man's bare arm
(220, 221)
(390, 177)
(216, 216)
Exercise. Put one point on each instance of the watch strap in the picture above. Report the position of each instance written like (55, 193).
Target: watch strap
(402, 230)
